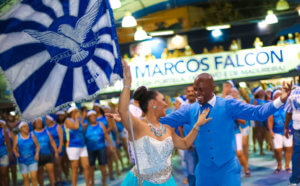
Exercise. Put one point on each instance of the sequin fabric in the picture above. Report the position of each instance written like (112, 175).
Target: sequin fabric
(154, 158)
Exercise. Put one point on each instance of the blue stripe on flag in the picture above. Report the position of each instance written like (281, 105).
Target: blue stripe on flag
(26, 92)
(118, 65)
(118, 69)
(104, 65)
(105, 30)
(89, 80)
(82, 8)
(102, 10)
(16, 25)
(66, 90)
(10, 55)
(65, 5)
(105, 46)
(39, 6)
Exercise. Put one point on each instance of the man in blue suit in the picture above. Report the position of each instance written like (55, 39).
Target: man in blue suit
(215, 143)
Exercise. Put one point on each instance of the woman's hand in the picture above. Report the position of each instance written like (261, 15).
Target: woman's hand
(126, 74)
(36, 157)
(114, 116)
(202, 117)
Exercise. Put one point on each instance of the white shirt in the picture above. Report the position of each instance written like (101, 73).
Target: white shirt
(293, 106)
(136, 111)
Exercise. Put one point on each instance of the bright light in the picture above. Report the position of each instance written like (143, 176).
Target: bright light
(162, 33)
(114, 4)
(140, 34)
(243, 84)
(271, 18)
(176, 40)
(282, 5)
(299, 11)
(218, 27)
(13, 113)
(216, 33)
(128, 20)
(262, 24)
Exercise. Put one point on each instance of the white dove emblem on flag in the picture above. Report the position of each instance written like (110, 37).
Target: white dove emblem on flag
(69, 38)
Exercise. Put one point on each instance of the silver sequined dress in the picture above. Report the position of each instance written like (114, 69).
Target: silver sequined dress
(154, 158)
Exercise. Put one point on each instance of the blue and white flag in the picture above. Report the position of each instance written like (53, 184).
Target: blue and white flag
(58, 51)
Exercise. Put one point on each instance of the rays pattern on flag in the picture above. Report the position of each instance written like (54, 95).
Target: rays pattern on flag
(54, 52)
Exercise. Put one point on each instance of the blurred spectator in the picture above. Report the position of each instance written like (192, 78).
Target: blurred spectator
(234, 46)
(126, 58)
(214, 50)
(188, 51)
(258, 43)
(290, 40)
(149, 57)
(281, 41)
(220, 49)
(176, 53)
(166, 54)
(297, 38)
(205, 50)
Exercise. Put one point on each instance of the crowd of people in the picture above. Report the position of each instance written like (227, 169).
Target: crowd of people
(74, 139)
(234, 46)
(70, 140)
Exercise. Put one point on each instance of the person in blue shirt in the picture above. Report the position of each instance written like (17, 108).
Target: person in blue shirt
(110, 126)
(95, 136)
(260, 128)
(76, 148)
(238, 134)
(5, 154)
(57, 134)
(65, 163)
(13, 161)
(47, 146)
(27, 149)
(215, 143)
(276, 127)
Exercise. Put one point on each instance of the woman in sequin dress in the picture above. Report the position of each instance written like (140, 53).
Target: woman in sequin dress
(153, 141)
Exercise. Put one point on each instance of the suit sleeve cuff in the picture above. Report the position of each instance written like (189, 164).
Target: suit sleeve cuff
(277, 103)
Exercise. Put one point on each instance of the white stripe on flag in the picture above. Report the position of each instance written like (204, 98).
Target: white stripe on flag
(106, 55)
(46, 98)
(104, 21)
(115, 49)
(73, 7)
(105, 38)
(94, 69)
(26, 13)
(79, 86)
(9, 40)
(91, 3)
(56, 7)
(18, 73)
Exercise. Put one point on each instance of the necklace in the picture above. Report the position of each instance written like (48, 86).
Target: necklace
(158, 131)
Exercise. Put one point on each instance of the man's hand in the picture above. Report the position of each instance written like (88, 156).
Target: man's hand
(286, 91)
(17, 155)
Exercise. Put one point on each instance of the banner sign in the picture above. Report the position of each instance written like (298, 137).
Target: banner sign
(222, 66)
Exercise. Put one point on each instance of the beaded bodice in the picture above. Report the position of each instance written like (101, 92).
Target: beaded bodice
(154, 158)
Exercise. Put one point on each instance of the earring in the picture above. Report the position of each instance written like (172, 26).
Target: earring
(154, 107)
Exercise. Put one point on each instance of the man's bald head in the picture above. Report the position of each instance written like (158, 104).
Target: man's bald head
(204, 87)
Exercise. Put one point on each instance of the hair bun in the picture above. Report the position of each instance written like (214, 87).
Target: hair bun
(140, 93)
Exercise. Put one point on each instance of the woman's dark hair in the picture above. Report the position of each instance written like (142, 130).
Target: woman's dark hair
(143, 96)
(102, 111)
